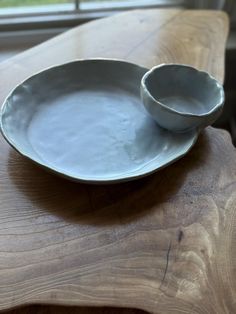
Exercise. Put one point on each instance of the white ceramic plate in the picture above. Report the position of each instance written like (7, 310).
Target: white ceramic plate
(84, 120)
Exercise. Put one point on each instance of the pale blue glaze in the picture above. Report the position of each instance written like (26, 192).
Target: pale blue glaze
(181, 98)
(85, 121)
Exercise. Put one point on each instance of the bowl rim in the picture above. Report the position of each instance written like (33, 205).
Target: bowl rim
(217, 106)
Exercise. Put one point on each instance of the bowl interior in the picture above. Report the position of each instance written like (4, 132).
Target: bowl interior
(184, 89)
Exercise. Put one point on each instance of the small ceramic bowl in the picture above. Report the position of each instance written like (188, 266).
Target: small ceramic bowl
(181, 98)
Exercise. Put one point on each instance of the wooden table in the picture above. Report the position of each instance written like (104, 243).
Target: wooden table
(164, 244)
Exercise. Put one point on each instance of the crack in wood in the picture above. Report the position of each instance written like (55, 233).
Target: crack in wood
(180, 236)
(167, 263)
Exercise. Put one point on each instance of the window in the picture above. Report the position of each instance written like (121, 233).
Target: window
(8, 7)
(45, 14)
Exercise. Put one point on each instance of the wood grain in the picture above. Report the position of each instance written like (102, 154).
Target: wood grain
(163, 244)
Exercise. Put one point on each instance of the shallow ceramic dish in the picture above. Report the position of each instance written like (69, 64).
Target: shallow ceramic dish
(180, 97)
(85, 120)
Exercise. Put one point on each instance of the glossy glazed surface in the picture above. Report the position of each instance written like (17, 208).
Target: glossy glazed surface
(85, 120)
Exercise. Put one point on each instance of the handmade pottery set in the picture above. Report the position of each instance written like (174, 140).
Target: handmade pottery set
(105, 120)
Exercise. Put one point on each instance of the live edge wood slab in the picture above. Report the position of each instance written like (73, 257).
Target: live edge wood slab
(163, 244)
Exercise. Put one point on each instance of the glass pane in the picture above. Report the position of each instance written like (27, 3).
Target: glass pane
(17, 3)
(109, 4)
(15, 7)
(111, 1)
